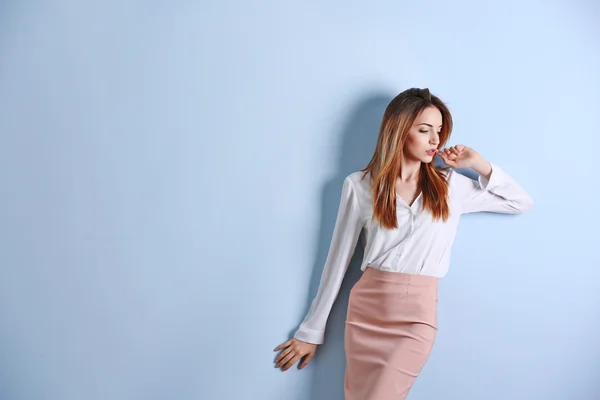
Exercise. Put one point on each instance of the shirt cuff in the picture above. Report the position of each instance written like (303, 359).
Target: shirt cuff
(313, 337)
(495, 178)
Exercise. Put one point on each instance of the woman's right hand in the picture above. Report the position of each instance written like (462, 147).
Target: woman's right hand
(294, 350)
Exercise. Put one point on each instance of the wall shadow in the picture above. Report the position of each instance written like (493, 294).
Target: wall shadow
(358, 137)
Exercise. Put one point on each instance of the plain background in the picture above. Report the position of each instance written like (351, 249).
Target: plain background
(171, 172)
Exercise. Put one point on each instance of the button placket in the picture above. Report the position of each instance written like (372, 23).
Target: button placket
(410, 230)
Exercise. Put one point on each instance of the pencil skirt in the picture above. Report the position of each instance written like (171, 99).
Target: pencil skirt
(391, 325)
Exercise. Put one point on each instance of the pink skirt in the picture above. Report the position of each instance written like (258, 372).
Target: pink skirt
(390, 329)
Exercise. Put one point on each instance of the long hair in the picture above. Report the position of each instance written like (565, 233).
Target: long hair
(385, 164)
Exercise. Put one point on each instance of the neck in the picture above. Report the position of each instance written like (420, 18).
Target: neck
(409, 170)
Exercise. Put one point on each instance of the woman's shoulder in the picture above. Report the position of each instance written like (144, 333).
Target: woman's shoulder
(360, 180)
(360, 183)
(450, 175)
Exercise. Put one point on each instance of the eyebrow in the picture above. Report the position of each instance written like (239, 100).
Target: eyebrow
(423, 123)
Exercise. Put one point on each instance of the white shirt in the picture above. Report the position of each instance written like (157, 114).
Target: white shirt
(419, 245)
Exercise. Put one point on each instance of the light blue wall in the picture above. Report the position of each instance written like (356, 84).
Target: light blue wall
(171, 173)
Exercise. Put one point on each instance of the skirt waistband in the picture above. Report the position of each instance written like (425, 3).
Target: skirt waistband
(392, 276)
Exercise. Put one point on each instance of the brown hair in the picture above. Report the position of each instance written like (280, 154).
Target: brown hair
(384, 166)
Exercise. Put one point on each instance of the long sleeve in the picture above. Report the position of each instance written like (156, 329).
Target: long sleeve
(343, 243)
(499, 194)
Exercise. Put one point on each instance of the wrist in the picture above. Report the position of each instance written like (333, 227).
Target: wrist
(482, 166)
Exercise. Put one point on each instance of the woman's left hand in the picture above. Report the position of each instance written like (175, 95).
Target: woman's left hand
(459, 156)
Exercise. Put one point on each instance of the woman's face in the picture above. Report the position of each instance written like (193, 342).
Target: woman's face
(424, 136)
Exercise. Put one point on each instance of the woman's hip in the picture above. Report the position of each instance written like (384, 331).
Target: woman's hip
(387, 297)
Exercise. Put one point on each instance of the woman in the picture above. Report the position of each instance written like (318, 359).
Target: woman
(408, 212)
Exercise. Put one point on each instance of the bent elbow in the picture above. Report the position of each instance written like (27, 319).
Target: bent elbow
(526, 205)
